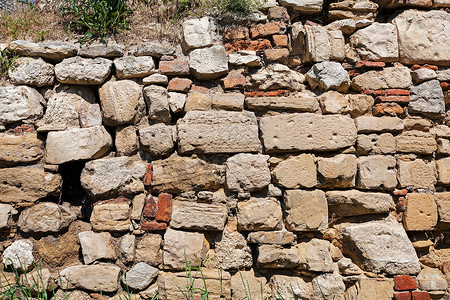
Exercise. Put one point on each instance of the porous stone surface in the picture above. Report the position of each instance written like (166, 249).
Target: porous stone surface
(45, 217)
(397, 77)
(83, 71)
(20, 149)
(355, 203)
(96, 278)
(208, 63)
(185, 215)
(134, 67)
(182, 246)
(32, 71)
(140, 276)
(247, 172)
(259, 214)
(52, 50)
(377, 172)
(19, 255)
(96, 246)
(315, 256)
(157, 139)
(337, 171)
(20, 103)
(420, 212)
(198, 33)
(296, 171)
(305, 210)
(157, 102)
(328, 75)
(417, 173)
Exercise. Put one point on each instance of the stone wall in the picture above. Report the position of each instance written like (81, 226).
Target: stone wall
(303, 161)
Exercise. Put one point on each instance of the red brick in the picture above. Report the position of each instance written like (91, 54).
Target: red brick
(415, 67)
(153, 226)
(353, 73)
(370, 64)
(367, 92)
(258, 45)
(397, 92)
(150, 207)
(277, 93)
(164, 207)
(174, 68)
(234, 81)
(21, 128)
(431, 67)
(402, 296)
(179, 85)
(420, 295)
(260, 94)
(148, 176)
(388, 109)
(401, 99)
(250, 94)
(280, 40)
(401, 192)
(270, 28)
(445, 86)
(379, 92)
(404, 283)
(236, 33)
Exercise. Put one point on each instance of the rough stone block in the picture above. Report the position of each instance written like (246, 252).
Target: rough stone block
(182, 246)
(417, 173)
(247, 172)
(186, 215)
(31, 71)
(377, 172)
(157, 139)
(367, 124)
(355, 203)
(295, 172)
(134, 67)
(315, 256)
(338, 171)
(375, 144)
(420, 212)
(306, 210)
(259, 214)
(83, 71)
(208, 63)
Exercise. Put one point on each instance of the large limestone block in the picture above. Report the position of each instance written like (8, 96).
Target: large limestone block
(322, 44)
(355, 203)
(375, 144)
(328, 286)
(305, 210)
(308, 6)
(380, 246)
(415, 141)
(157, 139)
(218, 132)
(115, 175)
(111, 216)
(181, 247)
(337, 171)
(301, 103)
(277, 257)
(179, 174)
(63, 108)
(148, 249)
(315, 256)
(333, 102)
(119, 100)
(20, 148)
(6, 213)
(247, 172)
(185, 215)
(443, 204)
(423, 37)
(431, 279)
(417, 173)
(45, 217)
(376, 42)
(363, 12)
(420, 212)
(32, 71)
(19, 255)
(154, 48)
(397, 77)
(77, 144)
(134, 67)
(140, 276)
(52, 50)
(198, 33)
(96, 246)
(27, 185)
(300, 132)
(328, 75)
(443, 168)
(232, 251)
(254, 288)
(101, 50)
(218, 284)
(377, 172)
(427, 99)
(158, 103)
(19, 104)
(259, 214)
(276, 76)
(127, 141)
(295, 172)
(208, 63)
(83, 71)
(366, 124)
(290, 287)
(96, 278)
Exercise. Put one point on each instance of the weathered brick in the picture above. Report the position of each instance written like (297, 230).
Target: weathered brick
(420, 295)
(235, 33)
(261, 30)
(179, 85)
(402, 296)
(369, 64)
(233, 81)
(258, 45)
(153, 226)
(164, 207)
(174, 67)
(280, 40)
(405, 283)
(388, 109)
(150, 207)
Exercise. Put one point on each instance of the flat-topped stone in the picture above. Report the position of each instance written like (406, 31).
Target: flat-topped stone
(83, 71)
(52, 50)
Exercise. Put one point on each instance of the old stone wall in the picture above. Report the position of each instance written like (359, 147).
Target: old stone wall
(290, 159)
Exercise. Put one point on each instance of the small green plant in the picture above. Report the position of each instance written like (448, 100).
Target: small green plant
(6, 62)
(97, 18)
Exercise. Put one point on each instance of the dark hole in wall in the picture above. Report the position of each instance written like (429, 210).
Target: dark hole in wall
(72, 191)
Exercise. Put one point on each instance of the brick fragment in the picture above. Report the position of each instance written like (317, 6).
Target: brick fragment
(405, 283)
(174, 68)
(164, 207)
(400, 99)
(402, 296)
(153, 226)
(258, 45)
(233, 81)
(270, 28)
(150, 207)
(420, 295)
(431, 67)
(179, 85)
(236, 33)
(401, 192)
(280, 40)
(353, 73)
(370, 64)
(148, 176)
(388, 109)
(397, 92)
(445, 86)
